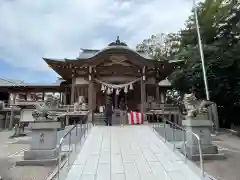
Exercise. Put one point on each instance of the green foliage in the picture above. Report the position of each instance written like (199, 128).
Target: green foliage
(220, 31)
(160, 47)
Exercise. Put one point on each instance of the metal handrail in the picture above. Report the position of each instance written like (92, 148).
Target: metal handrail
(70, 135)
(184, 139)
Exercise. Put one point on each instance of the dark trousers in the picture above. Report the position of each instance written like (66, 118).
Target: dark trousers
(109, 120)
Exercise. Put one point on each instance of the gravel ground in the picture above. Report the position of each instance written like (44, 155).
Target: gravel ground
(11, 150)
(227, 169)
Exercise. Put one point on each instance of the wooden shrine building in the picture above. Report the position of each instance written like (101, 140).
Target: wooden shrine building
(115, 71)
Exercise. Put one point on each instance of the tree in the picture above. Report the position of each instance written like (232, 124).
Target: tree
(160, 47)
(220, 31)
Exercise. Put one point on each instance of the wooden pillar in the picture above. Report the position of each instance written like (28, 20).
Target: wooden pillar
(11, 118)
(78, 94)
(126, 101)
(72, 93)
(14, 99)
(157, 93)
(65, 96)
(43, 94)
(72, 88)
(90, 95)
(143, 92)
(6, 120)
(90, 100)
(60, 94)
(28, 96)
(82, 91)
(67, 120)
(75, 94)
(162, 98)
(94, 97)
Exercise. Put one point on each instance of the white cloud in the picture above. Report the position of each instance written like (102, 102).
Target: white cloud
(30, 30)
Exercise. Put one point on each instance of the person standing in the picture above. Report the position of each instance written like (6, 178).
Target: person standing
(109, 111)
(122, 111)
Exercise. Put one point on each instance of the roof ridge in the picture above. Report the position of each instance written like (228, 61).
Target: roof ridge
(89, 50)
(7, 80)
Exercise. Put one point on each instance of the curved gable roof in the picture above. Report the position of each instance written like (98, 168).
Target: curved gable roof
(89, 54)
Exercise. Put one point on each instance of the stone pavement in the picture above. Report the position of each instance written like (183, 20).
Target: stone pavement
(127, 153)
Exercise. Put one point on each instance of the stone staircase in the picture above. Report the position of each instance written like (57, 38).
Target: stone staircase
(99, 118)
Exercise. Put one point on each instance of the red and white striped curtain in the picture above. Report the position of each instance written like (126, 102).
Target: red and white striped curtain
(135, 118)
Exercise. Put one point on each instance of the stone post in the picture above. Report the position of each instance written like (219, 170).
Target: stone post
(213, 114)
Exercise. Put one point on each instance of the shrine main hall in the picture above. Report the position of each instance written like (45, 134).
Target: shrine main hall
(116, 71)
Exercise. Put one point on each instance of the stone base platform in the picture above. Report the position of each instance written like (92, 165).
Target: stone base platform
(208, 153)
(41, 162)
(43, 151)
(219, 156)
(206, 149)
(40, 154)
(39, 158)
(202, 128)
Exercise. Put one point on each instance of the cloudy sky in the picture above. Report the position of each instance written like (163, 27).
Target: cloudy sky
(32, 29)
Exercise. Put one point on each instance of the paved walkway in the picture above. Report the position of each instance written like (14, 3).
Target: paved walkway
(127, 153)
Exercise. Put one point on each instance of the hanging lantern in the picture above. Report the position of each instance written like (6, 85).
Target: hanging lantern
(117, 91)
(111, 90)
(102, 88)
(131, 87)
(108, 91)
(144, 78)
(125, 89)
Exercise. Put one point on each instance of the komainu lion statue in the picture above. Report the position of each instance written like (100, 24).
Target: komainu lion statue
(80, 105)
(194, 106)
(47, 111)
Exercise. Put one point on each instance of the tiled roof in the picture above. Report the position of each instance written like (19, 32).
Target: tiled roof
(4, 82)
(9, 83)
(89, 53)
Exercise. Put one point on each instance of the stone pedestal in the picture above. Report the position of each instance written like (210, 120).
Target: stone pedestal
(43, 151)
(203, 129)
